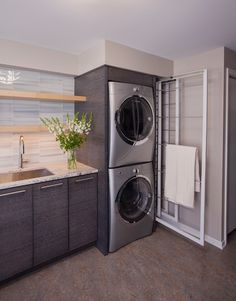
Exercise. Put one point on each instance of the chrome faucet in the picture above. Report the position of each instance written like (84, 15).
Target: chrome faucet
(21, 151)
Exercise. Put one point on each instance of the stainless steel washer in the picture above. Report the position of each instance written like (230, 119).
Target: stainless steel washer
(131, 124)
(131, 204)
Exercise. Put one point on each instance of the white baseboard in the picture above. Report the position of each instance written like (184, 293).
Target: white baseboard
(217, 243)
(191, 233)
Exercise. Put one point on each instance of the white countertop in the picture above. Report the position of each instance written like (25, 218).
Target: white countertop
(59, 171)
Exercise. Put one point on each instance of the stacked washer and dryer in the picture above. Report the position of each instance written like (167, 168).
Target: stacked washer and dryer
(131, 146)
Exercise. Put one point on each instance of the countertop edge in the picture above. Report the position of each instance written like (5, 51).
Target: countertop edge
(90, 170)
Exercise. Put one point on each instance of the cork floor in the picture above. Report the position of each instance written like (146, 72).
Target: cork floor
(162, 266)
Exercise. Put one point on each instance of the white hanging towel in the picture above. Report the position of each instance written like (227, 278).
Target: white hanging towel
(182, 174)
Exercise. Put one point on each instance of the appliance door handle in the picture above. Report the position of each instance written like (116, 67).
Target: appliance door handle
(84, 179)
(51, 186)
(135, 116)
(138, 121)
(117, 117)
(13, 193)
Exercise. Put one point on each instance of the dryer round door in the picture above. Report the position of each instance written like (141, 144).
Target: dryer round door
(134, 119)
(134, 199)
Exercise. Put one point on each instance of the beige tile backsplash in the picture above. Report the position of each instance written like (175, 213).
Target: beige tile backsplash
(40, 147)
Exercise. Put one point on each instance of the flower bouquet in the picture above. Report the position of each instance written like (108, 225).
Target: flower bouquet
(71, 134)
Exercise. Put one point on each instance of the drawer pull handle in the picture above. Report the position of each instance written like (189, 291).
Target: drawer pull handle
(84, 179)
(51, 186)
(12, 193)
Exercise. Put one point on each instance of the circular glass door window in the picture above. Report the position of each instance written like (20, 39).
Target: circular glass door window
(134, 199)
(134, 119)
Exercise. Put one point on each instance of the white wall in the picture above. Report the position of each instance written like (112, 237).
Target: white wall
(118, 55)
(39, 58)
(92, 58)
(214, 62)
(104, 52)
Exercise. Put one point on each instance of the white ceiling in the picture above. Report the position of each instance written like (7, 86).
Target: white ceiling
(169, 28)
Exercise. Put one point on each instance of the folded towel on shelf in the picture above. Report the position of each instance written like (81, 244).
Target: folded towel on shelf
(182, 174)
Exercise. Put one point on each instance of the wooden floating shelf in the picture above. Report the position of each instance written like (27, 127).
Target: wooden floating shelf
(26, 128)
(39, 96)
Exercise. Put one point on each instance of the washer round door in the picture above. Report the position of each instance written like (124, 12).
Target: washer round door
(134, 119)
(134, 199)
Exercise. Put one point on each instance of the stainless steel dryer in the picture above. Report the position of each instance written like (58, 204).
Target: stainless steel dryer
(131, 204)
(131, 124)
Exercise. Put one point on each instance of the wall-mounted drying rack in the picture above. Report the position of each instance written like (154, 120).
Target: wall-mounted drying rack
(170, 95)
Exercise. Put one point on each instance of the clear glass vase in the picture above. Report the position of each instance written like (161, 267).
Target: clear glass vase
(71, 159)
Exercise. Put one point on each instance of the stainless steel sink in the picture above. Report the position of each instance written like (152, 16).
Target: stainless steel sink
(24, 175)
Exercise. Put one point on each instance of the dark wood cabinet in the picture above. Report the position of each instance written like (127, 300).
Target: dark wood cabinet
(50, 203)
(16, 231)
(94, 84)
(43, 221)
(82, 210)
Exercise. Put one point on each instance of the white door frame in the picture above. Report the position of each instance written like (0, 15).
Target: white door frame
(229, 73)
